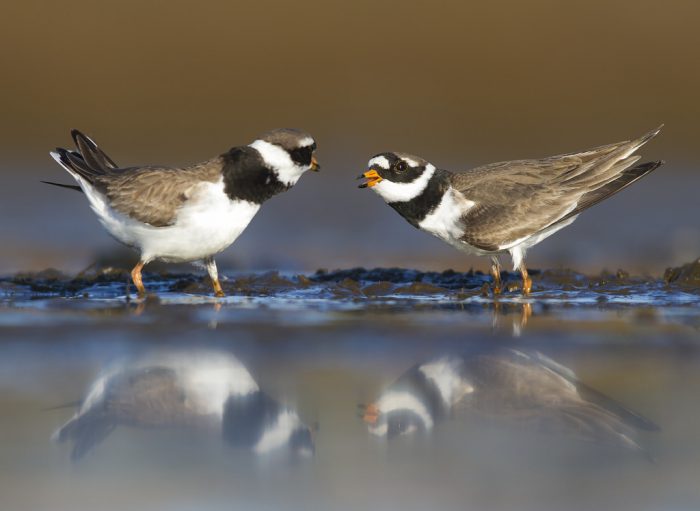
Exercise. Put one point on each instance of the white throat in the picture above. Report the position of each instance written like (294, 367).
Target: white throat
(445, 373)
(393, 401)
(279, 160)
(404, 192)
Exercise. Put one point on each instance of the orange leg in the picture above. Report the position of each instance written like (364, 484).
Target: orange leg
(527, 312)
(496, 274)
(136, 277)
(214, 276)
(527, 281)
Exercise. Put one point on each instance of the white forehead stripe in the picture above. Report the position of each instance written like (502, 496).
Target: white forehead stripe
(306, 141)
(404, 192)
(378, 161)
(279, 160)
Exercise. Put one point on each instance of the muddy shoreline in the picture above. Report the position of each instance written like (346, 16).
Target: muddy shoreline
(355, 283)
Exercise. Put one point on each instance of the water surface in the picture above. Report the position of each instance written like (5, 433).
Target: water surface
(322, 344)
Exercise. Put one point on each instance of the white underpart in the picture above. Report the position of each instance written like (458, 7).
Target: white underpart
(279, 433)
(207, 224)
(519, 247)
(404, 192)
(392, 401)
(207, 378)
(209, 383)
(445, 221)
(212, 270)
(378, 161)
(279, 160)
(446, 375)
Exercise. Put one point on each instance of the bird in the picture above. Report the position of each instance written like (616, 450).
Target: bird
(190, 213)
(194, 390)
(505, 384)
(508, 206)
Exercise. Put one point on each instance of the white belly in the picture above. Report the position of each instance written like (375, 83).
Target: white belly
(446, 222)
(207, 224)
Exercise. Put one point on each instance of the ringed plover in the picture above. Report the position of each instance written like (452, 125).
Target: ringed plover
(504, 207)
(191, 213)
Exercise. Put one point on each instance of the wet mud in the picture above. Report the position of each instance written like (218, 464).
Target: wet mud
(687, 275)
(678, 285)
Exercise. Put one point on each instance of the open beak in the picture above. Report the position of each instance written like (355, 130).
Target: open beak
(314, 164)
(371, 414)
(372, 178)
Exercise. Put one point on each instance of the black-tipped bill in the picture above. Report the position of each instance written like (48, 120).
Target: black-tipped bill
(372, 178)
(314, 164)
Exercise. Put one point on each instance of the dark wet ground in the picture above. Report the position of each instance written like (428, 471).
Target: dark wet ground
(678, 285)
(322, 343)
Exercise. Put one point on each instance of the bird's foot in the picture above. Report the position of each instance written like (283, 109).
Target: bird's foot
(218, 290)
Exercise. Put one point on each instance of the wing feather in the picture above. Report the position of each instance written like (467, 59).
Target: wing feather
(518, 199)
(153, 195)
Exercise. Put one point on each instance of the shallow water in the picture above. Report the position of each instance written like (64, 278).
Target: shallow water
(321, 344)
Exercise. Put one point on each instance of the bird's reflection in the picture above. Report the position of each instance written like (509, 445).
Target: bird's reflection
(511, 316)
(203, 391)
(518, 387)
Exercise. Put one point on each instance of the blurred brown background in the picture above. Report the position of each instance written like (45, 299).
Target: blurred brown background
(460, 83)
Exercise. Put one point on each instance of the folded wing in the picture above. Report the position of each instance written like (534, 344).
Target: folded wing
(519, 199)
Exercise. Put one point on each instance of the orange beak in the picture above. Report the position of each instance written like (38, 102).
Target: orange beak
(371, 413)
(314, 164)
(372, 178)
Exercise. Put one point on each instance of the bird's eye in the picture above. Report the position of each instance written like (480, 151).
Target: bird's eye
(400, 166)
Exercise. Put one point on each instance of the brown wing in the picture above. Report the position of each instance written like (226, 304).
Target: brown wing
(146, 397)
(517, 199)
(509, 384)
(153, 195)
(534, 389)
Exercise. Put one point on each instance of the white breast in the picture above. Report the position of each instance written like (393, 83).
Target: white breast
(207, 379)
(445, 221)
(207, 224)
(445, 373)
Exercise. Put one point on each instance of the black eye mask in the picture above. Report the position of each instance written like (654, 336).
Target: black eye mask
(302, 155)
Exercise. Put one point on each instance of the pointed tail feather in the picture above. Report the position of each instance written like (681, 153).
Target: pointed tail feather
(85, 431)
(61, 185)
(91, 153)
(610, 162)
(625, 179)
(88, 162)
(74, 164)
(624, 414)
(90, 437)
(72, 404)
(64, 432)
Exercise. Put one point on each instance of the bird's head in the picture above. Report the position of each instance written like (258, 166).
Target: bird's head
(397, 177)
(288, 153)
(396, 414)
